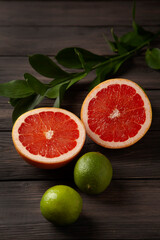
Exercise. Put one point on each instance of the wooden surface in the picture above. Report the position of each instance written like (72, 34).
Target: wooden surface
(130, 207)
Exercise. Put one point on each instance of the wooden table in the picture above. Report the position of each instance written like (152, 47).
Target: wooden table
(130, 207)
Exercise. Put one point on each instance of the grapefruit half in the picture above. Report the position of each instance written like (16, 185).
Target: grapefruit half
(116, 113)
(48, 137)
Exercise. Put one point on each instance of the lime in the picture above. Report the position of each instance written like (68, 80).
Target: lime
(61, 205)
(93, 173)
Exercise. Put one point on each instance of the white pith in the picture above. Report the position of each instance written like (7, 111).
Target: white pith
(130, 141)
(49, 134)
(114, 114)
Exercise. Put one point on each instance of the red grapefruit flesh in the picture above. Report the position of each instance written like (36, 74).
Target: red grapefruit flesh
(116, 113)
(48, 137)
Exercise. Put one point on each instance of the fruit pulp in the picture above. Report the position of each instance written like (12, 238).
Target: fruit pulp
(116, 113)
(48, 134)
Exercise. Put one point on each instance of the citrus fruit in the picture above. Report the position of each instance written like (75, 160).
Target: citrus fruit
(48, 137)
(116, 113)
(93, 173)
(61, 205)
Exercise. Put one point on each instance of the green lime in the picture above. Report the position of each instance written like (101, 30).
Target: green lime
(61, 205)
(93, 173)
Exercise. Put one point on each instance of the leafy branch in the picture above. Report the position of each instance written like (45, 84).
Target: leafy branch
(28, 93)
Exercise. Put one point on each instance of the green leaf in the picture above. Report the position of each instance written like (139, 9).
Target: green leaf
(81, 59)
(14, 101)
(129, 40)
(115, 37)
(68, 58)
(26, 104)
(112, 45)
(35, 84)
(77, 78)
(134, 39)
(60, 80)
(95, 82)
(46, 67)
(53, 92)
(15, 89)
(153, 58)
(109, 69)
(106, 70)
(60, 96)
(140, 31)
(118, 64)
(120, 46)
(144, 34)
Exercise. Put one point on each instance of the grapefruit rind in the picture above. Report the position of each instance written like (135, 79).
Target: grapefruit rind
(42, 161)
(148, 110)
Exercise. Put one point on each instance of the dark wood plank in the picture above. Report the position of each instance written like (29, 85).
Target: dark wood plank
(138, 161)
(23, 41)
(127, 210)
(73, 101)
(73, 13)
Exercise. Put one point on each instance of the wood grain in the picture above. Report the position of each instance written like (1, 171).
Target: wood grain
(24, 41)
(77, 13)
(126, 210)
(129, 208)
(137, 161)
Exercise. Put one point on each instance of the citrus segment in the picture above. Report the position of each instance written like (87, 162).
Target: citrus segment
(116, 113)
(52, 138)
(48, 136)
